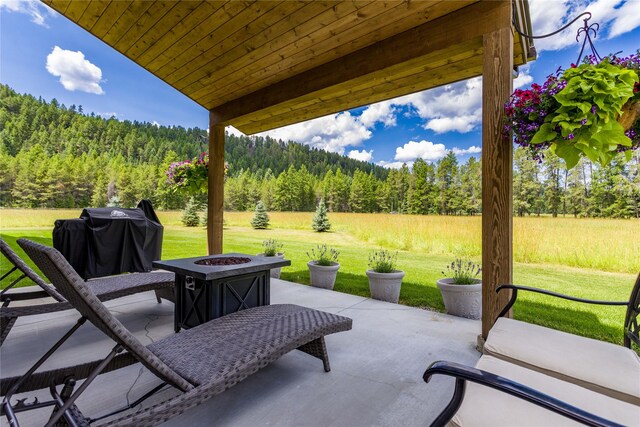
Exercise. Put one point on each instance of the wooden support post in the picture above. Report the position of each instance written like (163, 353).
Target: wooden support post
(497, 171)
(215, 197)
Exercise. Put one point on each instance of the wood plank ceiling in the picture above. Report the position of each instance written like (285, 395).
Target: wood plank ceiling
(258, 65)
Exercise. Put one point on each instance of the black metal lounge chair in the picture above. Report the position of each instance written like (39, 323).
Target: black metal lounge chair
(106, 288)
(201, 362)
(588, 381)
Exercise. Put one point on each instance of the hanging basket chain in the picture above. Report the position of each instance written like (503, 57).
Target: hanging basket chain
(544, 36)
(588, 30)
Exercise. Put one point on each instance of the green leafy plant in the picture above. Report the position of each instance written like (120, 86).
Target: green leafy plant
(383, 261)
(463, 272)
(577, 113)
(271, 247)
(323, 255)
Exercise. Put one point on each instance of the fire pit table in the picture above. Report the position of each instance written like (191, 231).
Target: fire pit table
(212, 286)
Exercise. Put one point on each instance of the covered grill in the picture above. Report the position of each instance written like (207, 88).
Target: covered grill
(107, 241)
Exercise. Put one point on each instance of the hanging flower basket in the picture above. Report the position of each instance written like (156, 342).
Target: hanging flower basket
(190, 176)
(590, 110)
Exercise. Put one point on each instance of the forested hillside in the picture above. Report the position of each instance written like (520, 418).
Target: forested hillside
(56, 156)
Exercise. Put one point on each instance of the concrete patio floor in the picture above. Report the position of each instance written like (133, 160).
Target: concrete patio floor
(376, 376)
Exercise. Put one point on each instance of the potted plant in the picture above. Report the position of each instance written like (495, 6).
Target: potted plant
(272, 248)
(323, 266)
(384, 279)
(590, 110)
(461, 289)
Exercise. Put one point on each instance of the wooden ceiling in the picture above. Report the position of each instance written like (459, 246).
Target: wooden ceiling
(258, 65)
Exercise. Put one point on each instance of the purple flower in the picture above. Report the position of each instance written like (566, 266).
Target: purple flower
(571, 136)
(594, 109)
(583, 122)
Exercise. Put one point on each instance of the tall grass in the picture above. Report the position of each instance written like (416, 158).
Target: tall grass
(610, 245)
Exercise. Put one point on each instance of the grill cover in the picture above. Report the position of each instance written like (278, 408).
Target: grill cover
(107, 241)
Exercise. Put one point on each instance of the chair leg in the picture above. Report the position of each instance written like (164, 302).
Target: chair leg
(6, 323)
(317, 348)
(165, 293)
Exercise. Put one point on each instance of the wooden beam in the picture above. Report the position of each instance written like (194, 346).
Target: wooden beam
(215, 196)
(497, 170)
(364, 94)
(455, 28)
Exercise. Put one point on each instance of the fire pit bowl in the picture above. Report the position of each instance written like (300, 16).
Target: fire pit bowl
(225, 260)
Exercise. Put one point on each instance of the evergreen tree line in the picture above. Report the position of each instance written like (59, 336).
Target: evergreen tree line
(56, 157)
(448, 188)
(26, 121)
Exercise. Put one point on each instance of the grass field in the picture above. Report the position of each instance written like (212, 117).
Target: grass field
(592, 258)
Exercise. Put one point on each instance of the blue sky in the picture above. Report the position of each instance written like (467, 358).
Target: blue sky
(44, 54)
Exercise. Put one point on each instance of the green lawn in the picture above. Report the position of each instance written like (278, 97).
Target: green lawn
(422, 271)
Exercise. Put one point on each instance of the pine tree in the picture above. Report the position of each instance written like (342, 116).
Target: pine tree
(527, 187)
(190, 214)
(575, 197)
(260, 219)
(553, 191)
(420, 199)
(320, 219)
(470, 186)
(447, 181)
(114, 202)
(357, 197)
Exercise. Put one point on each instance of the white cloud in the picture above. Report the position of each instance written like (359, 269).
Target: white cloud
(471, 150)
(156, 124)
(37, 10)
(627, 19)
(615, 17)
(426, 150)
(232, 131)
(393, 165)
(338, 131)
(332, 133)
(75, 72)
(462, 124)
(380, 112)
(108, 115)
(455, 107)
(523, 78)
(362, 155)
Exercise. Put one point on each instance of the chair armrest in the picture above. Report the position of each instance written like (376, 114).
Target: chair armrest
(516, 288)
(464, 373)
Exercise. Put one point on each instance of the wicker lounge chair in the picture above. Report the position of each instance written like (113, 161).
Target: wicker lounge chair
(201, 362)
(106, 288)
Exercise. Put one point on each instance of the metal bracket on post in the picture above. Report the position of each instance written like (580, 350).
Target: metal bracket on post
(189, 283)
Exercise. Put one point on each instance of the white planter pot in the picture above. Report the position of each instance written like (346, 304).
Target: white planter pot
(275, 272)
(462, 300)
(385, 286)
(323, 276)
